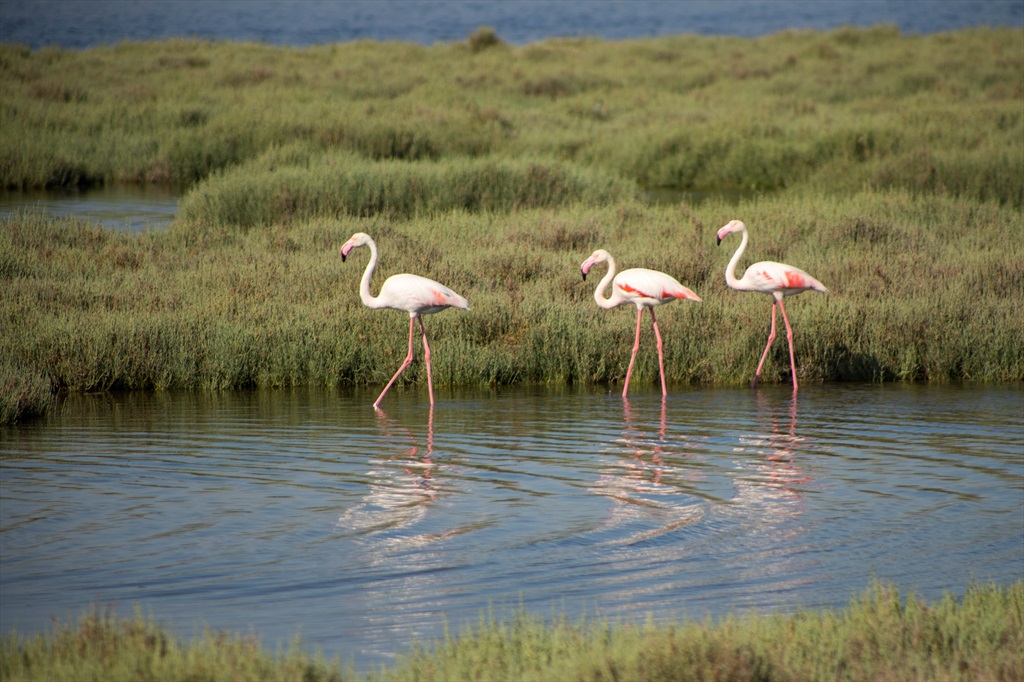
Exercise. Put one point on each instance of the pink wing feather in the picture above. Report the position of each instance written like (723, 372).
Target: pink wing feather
(650, 287)
(768, 277)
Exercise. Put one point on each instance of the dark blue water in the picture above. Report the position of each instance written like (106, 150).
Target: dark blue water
(80, 24)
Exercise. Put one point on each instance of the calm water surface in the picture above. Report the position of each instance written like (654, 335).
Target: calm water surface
(306, 511)
(74, 24)
(118, 207)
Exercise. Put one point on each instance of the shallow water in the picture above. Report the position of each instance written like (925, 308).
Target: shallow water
(119, 207)
(280, 512)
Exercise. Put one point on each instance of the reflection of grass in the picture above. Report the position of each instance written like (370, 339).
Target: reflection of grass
(880, 636)
(892, 166)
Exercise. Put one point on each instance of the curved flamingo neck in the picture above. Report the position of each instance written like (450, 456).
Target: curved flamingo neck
(730, 270)
(364, 284)
(599, 297)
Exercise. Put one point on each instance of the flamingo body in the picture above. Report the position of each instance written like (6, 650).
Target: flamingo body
(643, 288)
(418, 295)
(777, 280)
(413, 294)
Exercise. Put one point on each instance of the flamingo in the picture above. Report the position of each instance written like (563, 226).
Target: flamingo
(414, 294)
(645, 289)
(775, 279)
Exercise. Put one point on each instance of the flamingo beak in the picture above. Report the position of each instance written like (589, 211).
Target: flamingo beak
(719, 241)
(585, 267)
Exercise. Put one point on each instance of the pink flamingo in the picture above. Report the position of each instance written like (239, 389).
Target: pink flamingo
(767, 277)
(414, 294)
(643, 288)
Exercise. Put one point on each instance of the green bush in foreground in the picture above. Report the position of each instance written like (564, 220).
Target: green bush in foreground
(881, 635)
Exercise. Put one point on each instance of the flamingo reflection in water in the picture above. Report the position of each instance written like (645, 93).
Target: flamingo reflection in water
(402, 486)
(772, 479)
(649, 491)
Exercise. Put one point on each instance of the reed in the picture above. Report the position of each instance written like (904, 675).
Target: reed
(882, 634)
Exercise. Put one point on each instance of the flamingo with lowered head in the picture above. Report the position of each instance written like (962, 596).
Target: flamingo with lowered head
(411, 293)
(645, 289)
(767, 277)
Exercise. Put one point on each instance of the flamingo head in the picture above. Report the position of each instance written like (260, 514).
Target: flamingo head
(599, 256)
(356, 240)
(733, 226)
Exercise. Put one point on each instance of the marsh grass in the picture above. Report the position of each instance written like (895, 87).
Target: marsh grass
(921, 289)
(838, 110)
(882, 634)
(285, 185)
(103, 646)
(890, 167)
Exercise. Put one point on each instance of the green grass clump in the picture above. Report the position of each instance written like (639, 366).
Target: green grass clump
(24, 393)
(286, 185)
(103, 646)
(880, 635)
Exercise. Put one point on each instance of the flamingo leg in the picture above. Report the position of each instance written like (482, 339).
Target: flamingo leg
(426, 357)
(789, 336)
(636, 347)
(661, 356)
(771, 337)
(408, 360)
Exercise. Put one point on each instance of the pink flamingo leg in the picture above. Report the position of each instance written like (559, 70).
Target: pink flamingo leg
(408, 360)
(789, 336)
(771, 337)
(636, 347)
(661, 357)
(426, 357)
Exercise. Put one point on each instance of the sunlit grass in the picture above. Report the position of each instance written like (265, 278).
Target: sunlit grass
(881, 635)
(890, 167)
(921, 289)
(838, 110)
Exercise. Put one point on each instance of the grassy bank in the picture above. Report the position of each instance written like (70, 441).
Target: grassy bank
(880, 635)
(890, 167)
(922, 288)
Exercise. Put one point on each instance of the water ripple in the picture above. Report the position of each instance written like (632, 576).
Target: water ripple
(276, 511)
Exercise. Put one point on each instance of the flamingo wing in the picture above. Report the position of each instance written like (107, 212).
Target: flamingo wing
(419, 295)
(769, 277)
(650, 287)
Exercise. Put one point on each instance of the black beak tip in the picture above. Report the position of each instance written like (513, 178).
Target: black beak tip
(719, 241)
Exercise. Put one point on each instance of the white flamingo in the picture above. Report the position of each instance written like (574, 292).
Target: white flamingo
(645, 289)
(774, 279)
(410, 293)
